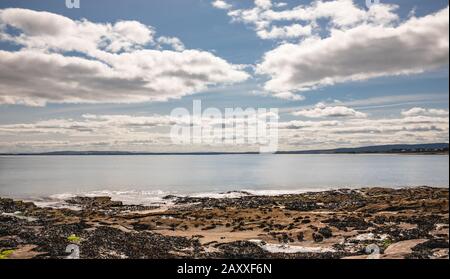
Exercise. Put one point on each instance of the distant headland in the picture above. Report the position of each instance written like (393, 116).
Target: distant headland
(429, 148)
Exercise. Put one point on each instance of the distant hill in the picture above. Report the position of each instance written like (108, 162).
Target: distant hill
(432, 148)
(392, 148)
(100, 153)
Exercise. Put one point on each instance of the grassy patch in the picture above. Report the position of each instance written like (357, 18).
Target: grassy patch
(5, 254)
(386, 243)
(73, 238)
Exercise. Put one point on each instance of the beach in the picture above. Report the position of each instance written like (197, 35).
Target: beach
(336, 224)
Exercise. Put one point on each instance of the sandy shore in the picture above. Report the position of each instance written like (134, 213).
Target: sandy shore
(385, 223)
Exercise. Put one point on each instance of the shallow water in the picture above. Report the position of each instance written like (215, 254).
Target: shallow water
(148, 177)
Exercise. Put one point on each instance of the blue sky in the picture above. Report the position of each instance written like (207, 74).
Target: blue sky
(201, 26)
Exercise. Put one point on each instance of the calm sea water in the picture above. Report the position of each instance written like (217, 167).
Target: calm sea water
(133, 177)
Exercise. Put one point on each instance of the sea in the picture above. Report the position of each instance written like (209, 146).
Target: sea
(147, 179)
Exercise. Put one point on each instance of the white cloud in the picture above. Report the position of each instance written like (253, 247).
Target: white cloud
(414, 111)
(117, 63)
(44, 30)
(422, 111)
(360, 53)
(174, 42)
(289, 96)
(280, 4)
(355, 44)
(127, 34)
(321, 110)
(151, 133)
(437, 112)
(342, 14)
(33, 77)
(95, 126)
(299, 124)
(352, 132)
(219, 4)
(263, 4)
(285, 32)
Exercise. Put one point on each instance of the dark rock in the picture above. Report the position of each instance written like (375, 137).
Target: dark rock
(317, 237)
(326, 232)
(242, 250)
(300, 236)
(301, 206)
(432, 244)
(11, 206)
(141, 227)
(94, 202)
(348, 222)
(425, 250)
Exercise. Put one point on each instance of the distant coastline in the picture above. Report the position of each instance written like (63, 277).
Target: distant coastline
(427, 149)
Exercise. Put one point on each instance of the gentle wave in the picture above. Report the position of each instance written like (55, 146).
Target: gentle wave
(158, 197)
(164, 198)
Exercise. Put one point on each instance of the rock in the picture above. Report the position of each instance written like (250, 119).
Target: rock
(350, 220)
(11, 206)
(142, 227)
(317, 237)
(94, 202)
(107, 243)
(242, 250)
(433, 244)
(24, 252)
(302, 206)
(326, 232)
(344, 223)
(402, 248)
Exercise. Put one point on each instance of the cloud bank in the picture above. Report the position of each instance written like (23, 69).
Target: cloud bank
(322, 110)
(355, 44)
(152, 133)
(67, 61)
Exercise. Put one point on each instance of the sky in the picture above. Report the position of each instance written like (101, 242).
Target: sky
(108, 75)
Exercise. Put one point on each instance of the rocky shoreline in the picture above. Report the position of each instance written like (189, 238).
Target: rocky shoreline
(368, 222)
